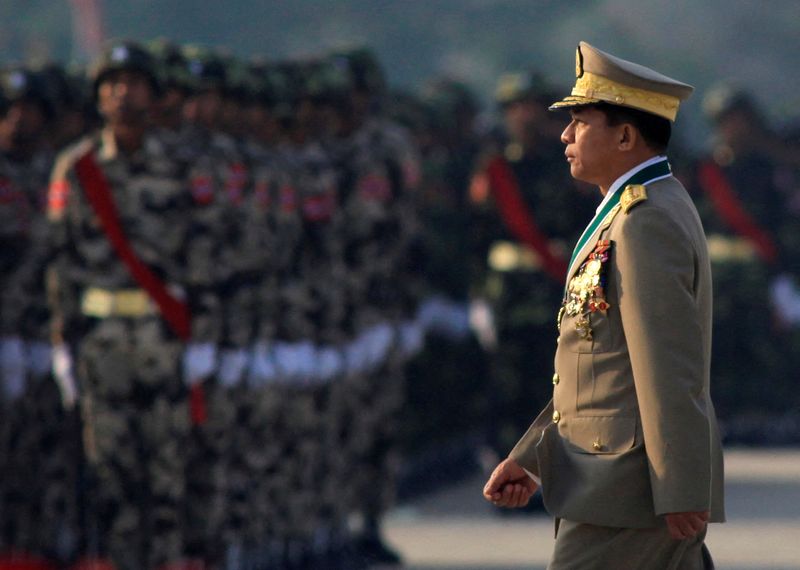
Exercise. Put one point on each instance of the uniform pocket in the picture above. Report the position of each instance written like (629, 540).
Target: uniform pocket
(602, 435)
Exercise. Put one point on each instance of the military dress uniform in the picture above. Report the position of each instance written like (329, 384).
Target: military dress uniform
(630, 434)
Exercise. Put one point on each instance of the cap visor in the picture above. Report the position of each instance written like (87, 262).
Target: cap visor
(572, 101)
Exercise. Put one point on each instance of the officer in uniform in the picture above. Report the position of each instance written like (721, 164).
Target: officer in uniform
(526, 213)
(127, 312)
(627, 452)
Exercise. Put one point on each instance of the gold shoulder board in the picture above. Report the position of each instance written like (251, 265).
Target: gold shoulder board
(632, 195)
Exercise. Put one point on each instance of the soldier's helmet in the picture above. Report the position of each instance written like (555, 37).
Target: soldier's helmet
(206, 69)
(269, 84)
(329, 80)
(521, 86)
(364, 68)
(124, 55)
(23, 84)
(451, 102)
(171, 64)
(723, 99)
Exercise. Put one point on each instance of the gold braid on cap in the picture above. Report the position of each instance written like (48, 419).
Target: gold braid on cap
(593, 86)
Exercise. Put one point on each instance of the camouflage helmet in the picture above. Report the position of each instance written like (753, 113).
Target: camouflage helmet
(519, 86)
(270, 86)
(328, 81)
(172, 65)
(206, 69)
(124, 55)
(366, 72)
(448, 100)
(723, 99)
(20, 83)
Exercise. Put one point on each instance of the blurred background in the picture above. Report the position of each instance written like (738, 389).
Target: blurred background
(466, 82)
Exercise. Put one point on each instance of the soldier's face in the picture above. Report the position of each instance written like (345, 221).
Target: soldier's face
(21, 125)
(125, 97)
(592, 144)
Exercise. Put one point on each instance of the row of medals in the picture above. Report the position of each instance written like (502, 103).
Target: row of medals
(586, 294)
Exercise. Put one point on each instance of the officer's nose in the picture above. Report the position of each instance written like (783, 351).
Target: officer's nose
(567, 136)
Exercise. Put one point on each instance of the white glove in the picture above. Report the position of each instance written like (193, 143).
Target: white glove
(481, 319)
(412, 338)
(39, 358)
(262, 366)
(356, 355)
(378, 343)
(330, 363)
(785, 298)
(64, 375)
(306, 356)
(12, 367)
(199, 362)
(232, 364)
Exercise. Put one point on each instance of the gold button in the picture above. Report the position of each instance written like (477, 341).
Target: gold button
(556, 417)
(556, 379)
(619, 99)
(597, 446)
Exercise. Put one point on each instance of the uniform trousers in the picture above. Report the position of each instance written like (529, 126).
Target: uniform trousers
(581, 546)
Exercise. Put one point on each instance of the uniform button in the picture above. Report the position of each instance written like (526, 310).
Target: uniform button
(556, 417)
(556, 379)
(597, 446)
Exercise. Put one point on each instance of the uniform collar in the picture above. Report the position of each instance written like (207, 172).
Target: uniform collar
(627, 176)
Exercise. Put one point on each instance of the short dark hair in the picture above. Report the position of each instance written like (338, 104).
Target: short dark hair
(656, 131)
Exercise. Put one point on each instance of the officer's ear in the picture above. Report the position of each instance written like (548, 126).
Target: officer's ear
(627, 136)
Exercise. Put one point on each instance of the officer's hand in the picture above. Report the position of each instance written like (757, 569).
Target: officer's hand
(686, 525)
(509, 486)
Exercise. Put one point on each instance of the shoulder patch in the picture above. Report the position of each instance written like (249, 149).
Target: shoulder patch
(632, 195)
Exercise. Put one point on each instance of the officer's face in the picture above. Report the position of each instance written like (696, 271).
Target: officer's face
(125, 97)
(591, 147)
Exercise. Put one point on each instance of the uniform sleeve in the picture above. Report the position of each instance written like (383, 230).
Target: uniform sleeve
(657, 266)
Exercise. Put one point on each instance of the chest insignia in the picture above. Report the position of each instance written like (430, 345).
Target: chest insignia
(586, 291)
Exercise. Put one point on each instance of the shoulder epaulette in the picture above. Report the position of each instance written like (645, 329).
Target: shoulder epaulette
(632, 195)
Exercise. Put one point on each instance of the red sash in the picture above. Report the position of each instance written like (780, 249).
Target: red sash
(519, 219)
(732, 211)
(175, 312)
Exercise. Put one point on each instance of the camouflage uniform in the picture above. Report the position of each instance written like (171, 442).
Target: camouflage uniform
(37, 435)
(134, 403)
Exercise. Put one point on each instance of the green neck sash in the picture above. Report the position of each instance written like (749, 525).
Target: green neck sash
(644, 176)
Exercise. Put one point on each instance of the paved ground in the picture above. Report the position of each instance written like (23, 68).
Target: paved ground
(455, 530)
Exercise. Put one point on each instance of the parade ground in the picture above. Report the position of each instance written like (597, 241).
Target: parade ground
(455, 529)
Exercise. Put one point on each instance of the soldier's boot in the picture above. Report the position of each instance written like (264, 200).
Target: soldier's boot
(93, 564)
(20, 560)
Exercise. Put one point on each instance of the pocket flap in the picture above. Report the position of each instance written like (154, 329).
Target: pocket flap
(602, 434)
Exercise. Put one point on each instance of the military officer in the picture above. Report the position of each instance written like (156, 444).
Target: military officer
(627, 452)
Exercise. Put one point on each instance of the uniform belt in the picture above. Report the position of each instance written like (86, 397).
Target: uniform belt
(105, 303)
(509, 256)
